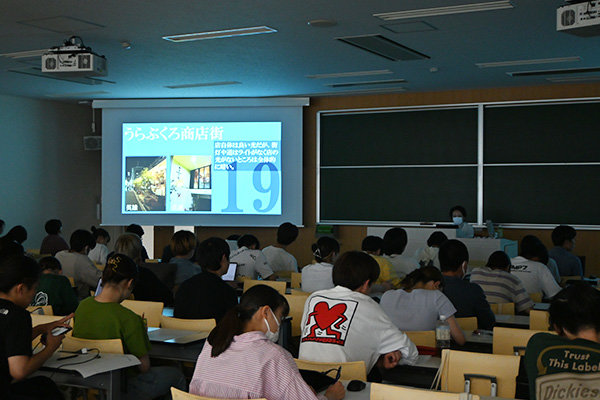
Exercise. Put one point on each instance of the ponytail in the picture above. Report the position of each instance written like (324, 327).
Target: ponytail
(325, 247)
(236, 319)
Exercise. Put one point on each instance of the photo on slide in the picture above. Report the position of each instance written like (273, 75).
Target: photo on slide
(145, 183)
(190, 183)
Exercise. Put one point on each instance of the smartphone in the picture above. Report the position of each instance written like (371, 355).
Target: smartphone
(60, 330)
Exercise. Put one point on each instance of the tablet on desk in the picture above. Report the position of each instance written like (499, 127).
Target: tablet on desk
(230, 275)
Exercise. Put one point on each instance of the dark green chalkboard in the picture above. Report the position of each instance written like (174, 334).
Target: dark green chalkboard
(542, 133)
(542, 194)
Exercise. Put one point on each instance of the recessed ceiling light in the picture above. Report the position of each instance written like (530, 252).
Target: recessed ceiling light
(322, 23)
(448, 10)
(193, 85)
(25, 54)
(256, 30)
(350, 74)
(366, 83)
(527, 62)
(572, 79)
(553, 71)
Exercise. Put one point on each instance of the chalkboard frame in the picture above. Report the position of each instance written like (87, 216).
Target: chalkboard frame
(480, 163)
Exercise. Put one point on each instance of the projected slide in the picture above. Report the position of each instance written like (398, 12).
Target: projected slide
(202, 168)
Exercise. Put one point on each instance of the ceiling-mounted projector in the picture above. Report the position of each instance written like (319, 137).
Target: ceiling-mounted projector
(579, 18)
(74, 59)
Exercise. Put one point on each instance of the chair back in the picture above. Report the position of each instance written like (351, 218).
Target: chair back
(422, 338)
(392, 392)
(152, 260)
(151, 310)
(71, 281)
(284, 274)
(296, 303)
(536, 297)
(467, 324)
(177, 394)
(41, 310)
(511, 341)
(199, 325)
(165, 272)
(350, 370)
(503, 308)
(296, 282)
(114, 346)
(298, 292)
(277, 285)
(479, 373)
(38, 319)
(539, 320)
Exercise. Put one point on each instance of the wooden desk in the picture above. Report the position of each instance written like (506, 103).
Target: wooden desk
(512, 321)
(110, 380)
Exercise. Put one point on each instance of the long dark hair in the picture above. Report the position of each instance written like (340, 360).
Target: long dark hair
(234, 321)
(423, 275)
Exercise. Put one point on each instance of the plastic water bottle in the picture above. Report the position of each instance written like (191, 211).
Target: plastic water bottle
(442, 333)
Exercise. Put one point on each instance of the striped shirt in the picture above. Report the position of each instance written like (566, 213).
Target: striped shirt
(502, 287)
(252, 367)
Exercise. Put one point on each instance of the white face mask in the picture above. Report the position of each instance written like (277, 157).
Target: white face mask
(272, 336)
(457, 220)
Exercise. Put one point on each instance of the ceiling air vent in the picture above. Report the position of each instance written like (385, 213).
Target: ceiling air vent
(383, 47)
(553, 72)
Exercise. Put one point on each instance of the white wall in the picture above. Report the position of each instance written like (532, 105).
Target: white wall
(45, 173)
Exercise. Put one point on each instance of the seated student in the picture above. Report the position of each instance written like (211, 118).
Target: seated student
(464, 229)
(536, 277)
(12, 242)
(499, 285)
(103, 317)
(250, 260)
(277, 257)
(468, 298)
(420, 304)
(387, 280)
(77, 265)
(54, 242)
(138, 230)
(239, 361)
(2, 225)
(18, 278)
(429, 255)
(318, 276)
(54, 289)
(543, 256)
(206, 295)
(100, 252)
(183, 244)
(563, 238)
(565, 366)
(232, 242)
(345, 324)
(394, 243)
(148, 287)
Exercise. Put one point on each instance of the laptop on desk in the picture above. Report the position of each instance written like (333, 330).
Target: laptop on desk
(175, 336)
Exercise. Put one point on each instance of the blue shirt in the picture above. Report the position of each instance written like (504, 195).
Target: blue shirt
(568, 263)
(185, 269)
(469, 300)
(465, 230)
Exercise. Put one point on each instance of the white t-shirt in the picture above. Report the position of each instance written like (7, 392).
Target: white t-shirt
(280, 260)
(251, 263)
(99, 253)
(340, 325)
(536, 277)
(428, 254)
(417, 310)
(317, 277)
(402, 265)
